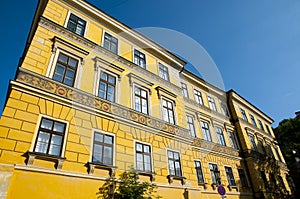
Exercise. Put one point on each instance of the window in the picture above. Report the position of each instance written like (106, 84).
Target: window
(143, 157)
(103, 148)
(261, 125)
(206, 131)
(253, 120)
(212, 103)
(110, 43)
(268, 129)
(220, 136)
(141, 100)
(50, 137)
(233, 140)
(191, 125)
(139, 59)
(252, 140)
(107, 86)
(262, 147)
(163, 72)
(76, 25)
(213, 168)
(243, 178)
(270, 152)
(273, 180)
(65, 69)
(199, 172)
(264, 178)
(278, 154)
(282, 185)
(198, 97)
(184, 90)
(244, 115)
(224, 109)
(174, 163)
(168, 111)
(230, 177)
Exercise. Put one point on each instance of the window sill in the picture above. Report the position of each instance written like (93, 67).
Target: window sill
(150, 174)
(171, 178)
(204, 184)
(31, 156)
(96, 165)
(231, 187)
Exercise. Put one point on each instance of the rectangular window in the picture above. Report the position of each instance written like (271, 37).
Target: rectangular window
(220, 136)
(244, 115)
(199, 172)
(103, 148)
(278, 154)
(168, 111)
(224, 109)
(261, 125)
(140, 100)
(191, 125)
(212, 104)
(184, 90)
(163, 72)
(143, 157)
(268, 129)
(206, 131)
(281, 182)
(262, 147)
(107, 86)
(273, 180)
(230, 177)
(243, 178)
(50, 137)
(76, 25)
(253, 120)
(213, 169)
(65, 69)
(233, 140)
(270, 152)
(198, 97)
(252, 140)
(110, 43)
(139, 59)
(264, 178)
(174, 163)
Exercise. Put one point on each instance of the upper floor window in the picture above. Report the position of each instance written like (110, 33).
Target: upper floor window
(224, 109)
(174, 163)
(270, 150)
(50, 137)
(103, 148)
(199, 172)
(107, 86)
(65, 69)
(220, 136)
(184, 90)
(261, 125)
(243, 178)
(213, 169)
(76, 25)
(230, 177)
(278, 154)
(206, 131)
(253, 120)
(244, 115)
(268, 129)
(233, 140)
(191, 126)
(143, 157)
(140, 100)
(110, 43)
(252, 140)
(262, 147)
(212, 104)
(163, 72)
(168, 111)
(281, 182)
(139, 59)
(264, 178)
(198, 97)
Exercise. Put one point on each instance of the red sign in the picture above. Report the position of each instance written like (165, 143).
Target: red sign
(221, 190)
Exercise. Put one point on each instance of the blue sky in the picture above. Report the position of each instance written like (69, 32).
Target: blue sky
(255, 44)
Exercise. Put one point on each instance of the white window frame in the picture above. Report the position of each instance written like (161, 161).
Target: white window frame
(212, 103)
(180, 161)
(196, 90)
(151, 148)
(174, 109)
(209, 129)
(164, 65)
(194, 126)
(133, 49)
(80, 16)
(114, 35)
(185, 94)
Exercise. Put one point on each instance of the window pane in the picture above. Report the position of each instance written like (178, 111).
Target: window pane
(54, 150)
(108, 139)
(47, 124)
(98, 137)
(146, 149)
(107, 157)
(56, 139)
(59, 127)
(170, 154)
(139, 147)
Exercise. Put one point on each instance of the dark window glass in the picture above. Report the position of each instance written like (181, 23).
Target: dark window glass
(264, 178)
(65, 70)
(253, 120)
(103, 148)
(110, 43)
(270, 152)
(199, 172)
(107, 86)
(278, 154)
(191, 125)
(163, 72)
(139, 59)
(220, 136)
(213, 168)
(50, 137)
(233, 140)
(168, 111)
(205, 131)
(261, 125)
(198, 97)
(184, 90)
(243, 178)
(143, 157)
(268, 129)
(224, 109)
(174, 163)
(230, 177)
(244, 115)
(262, 147)
(141, 100)
(76, 25)
(282, 185)
(252, 140)
(212, 104)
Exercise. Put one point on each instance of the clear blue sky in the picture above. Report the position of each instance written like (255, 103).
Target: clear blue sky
(255, 44)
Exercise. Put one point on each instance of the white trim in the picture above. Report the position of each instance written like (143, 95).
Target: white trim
(112, 34)
(151, 152)
(165, 65)
(77, 15)
(149, 96)
(177, 151)
(173, 106)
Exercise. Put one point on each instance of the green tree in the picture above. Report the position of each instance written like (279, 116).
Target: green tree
(127, 186)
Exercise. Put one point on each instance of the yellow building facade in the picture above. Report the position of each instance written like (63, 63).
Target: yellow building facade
(92, 98)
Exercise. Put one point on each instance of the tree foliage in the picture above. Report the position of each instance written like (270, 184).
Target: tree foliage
(127, 186)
